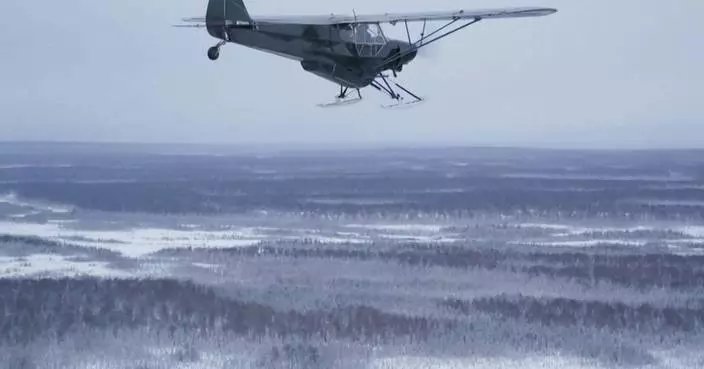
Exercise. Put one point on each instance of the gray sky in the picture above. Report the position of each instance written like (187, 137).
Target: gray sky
(626, 73)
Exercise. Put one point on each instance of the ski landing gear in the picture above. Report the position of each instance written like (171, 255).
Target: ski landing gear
(344, 98)
(386, 87)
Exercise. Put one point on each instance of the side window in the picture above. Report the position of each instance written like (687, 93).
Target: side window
(347, 33)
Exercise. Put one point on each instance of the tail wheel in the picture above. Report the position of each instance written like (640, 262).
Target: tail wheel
(214, 53)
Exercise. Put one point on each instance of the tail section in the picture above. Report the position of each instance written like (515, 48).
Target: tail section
(223, 13)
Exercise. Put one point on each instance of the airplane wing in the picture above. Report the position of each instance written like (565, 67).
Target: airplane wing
(393, 18)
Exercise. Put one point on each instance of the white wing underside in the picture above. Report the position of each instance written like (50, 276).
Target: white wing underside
(392, 18)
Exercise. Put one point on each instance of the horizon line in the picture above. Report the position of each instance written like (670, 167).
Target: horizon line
(337, 146)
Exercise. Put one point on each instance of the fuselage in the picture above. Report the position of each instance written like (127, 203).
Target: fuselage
(335, 53)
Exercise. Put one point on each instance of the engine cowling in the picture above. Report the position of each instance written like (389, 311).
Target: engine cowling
(400, 54)
(396, 62)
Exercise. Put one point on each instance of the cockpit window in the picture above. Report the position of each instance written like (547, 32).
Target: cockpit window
(367, 38)
(369, 34)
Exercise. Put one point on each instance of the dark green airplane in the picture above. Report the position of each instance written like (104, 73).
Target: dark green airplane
(350, 51)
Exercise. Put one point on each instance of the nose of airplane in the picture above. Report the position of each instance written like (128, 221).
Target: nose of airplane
(400, 54)
(409, 52)
(411, 55)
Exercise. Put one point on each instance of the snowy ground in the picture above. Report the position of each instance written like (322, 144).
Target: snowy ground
(528, 260)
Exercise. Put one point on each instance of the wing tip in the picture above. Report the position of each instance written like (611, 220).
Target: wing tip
(548, 11)
(534, 12)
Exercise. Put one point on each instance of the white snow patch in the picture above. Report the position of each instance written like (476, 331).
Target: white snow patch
(54, 264)
(36, 206)
(547, 226)
(348, 234)
(10, 198)
(695, 241)
(354, 201)
(663, 202)
(581, 243)
(24, 215)
(415, 238)
(546, 362)
(592, 230)
(189, 226)
(685, 251)
(331, 239)
(206, 265)
(568, 230)
(133, 242)
(399, 227)
(692, 231)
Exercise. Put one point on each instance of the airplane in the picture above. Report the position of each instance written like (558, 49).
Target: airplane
(350, 51)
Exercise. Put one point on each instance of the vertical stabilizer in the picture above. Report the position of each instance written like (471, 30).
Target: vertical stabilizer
(221, 12)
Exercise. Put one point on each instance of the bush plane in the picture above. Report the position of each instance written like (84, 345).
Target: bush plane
(348, 50)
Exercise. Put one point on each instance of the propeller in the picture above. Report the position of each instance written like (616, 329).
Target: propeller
(395, 59)
(429, 51)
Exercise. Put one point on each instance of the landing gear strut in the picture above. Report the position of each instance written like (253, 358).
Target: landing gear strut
(386, 87)
(343, 98)
(214, 52)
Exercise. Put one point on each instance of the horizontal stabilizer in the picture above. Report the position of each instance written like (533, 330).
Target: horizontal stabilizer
(199, 22)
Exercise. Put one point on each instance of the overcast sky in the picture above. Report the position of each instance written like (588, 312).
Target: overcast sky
(626, 73)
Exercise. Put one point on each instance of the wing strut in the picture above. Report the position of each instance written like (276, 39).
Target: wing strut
(422, 41)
